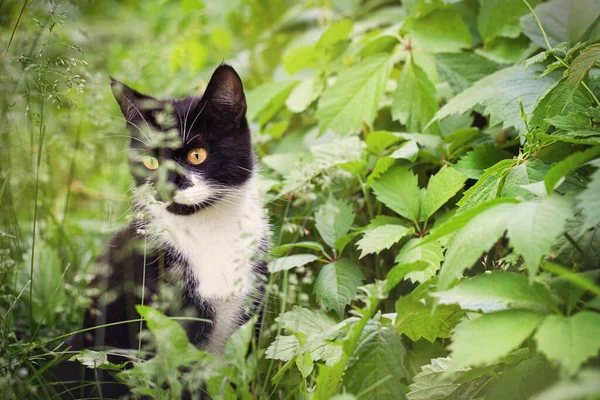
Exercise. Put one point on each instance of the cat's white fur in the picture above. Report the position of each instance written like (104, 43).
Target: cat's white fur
(220, 243)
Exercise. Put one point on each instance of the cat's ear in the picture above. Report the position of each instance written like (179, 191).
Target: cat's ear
(225, 94)
(134, 105)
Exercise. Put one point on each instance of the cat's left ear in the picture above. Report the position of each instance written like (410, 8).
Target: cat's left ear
(225, 94)
(134, 105)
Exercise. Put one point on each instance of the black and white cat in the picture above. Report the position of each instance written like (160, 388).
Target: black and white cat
(199, 225)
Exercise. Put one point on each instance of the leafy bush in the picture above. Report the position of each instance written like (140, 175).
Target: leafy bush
(431, 168)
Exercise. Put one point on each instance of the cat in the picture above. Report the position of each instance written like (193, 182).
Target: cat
(199, 229)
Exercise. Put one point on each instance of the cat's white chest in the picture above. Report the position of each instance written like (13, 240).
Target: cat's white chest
(219, 244)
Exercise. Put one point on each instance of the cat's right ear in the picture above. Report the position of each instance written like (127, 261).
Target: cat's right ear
(134, 105)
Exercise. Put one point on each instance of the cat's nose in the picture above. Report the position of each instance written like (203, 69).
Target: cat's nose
(179, 181)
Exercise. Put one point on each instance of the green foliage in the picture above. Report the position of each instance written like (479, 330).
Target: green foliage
(442, 153)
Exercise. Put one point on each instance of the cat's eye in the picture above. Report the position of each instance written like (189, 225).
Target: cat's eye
(150, 162)
(197, 156)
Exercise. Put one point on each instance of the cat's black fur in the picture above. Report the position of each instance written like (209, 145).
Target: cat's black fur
(217, 122)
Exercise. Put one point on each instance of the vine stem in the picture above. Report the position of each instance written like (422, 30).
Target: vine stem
(42, 133)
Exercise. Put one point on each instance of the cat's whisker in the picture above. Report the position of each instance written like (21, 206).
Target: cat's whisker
(143, 119)
(194, 121)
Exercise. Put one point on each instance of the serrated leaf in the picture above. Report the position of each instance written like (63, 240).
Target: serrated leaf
(408, 150)
(289, 262)
(398, 189)
(377, 359)
(94, 359)
(476, 237)
(272, 94)
(436, 382)
(303, 94)
(586, 385)
(501, 18)
(354, 97)
(380, 238)
(559, 100)
(333, 220)
(460, 220)
(523, 380)
(570, 341)
(562, 20)
(527, 172)
(429, 255)
(493, 335)
(441, 30)
(417, 318)
(461, 70)
(337, 283)
(414, 101)
(441, 188)
(498, 291)
(475, 162)
(487, 187)
(534, 226)
(566, 165)
(499, 94)
(308, 322)
(380, 140)
(589, 201)
(581, 65)
(283, 348)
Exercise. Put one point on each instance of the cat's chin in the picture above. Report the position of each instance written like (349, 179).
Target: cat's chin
(188, 209)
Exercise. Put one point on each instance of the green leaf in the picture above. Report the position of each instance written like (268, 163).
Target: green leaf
(354, 97)
(279, 251)
(272, 94)
(304, 94)
(580, 67)
(417, 318)
(461, 70)
(408, 150)
(414, 101)
(428, 255)
(501, 18)
(460, 220)
(494, 335)
(475, 162)
(487, 187)
(380, 238)
(94, 359)
(523, 380)
(237, 345)
(527, 172)
(558, 101)
(305, 321)
(499, 93)
(440, 31)
(398, 189)
(533, 227)
(380, 140)
(498, 291)
(436, 382)
(566, 165)
(476, 237)
(586, 385)
(378, 359)
(570, 341)
(589, 201)
(289, 262)
(441, 188)
(337, 283)
(563, 21)
(333, 220)
(283, 348)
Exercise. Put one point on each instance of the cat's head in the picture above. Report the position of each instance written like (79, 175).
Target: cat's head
(192, 151)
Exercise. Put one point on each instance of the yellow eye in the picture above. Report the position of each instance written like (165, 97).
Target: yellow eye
(197, 156)
(150, 162)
